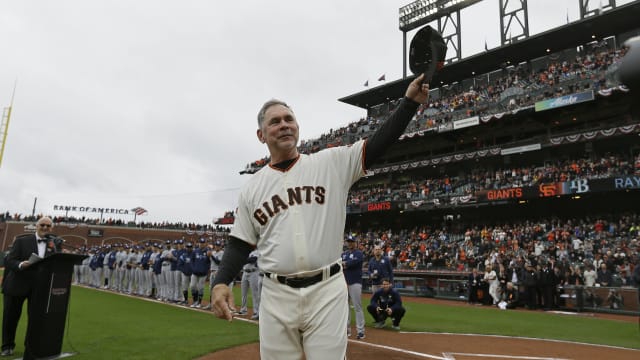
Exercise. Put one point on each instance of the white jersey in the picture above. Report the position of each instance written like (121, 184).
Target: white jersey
(296, 217)
(121, 258)
(134, 258)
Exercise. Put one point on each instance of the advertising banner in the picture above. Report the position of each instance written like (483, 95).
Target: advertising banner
(563, 101)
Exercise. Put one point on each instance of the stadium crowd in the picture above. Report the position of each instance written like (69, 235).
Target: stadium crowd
(467, 182)
(7, 216)
(514, 86)
(554, 252)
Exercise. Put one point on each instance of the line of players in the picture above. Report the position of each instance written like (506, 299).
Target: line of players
(166, 272)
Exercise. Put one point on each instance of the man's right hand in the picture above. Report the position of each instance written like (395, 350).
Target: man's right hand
(221, 302)
(23, 265)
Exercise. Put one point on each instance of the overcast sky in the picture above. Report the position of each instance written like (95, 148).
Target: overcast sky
(146, 103)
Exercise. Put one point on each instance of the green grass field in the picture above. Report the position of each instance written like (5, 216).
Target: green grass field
(104, 325)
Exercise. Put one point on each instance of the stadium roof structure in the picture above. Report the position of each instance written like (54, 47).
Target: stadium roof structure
(615, 21)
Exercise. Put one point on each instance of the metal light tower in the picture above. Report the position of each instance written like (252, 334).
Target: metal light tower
(4, 124)
(422, 12)
(507, 26)
(586, 10)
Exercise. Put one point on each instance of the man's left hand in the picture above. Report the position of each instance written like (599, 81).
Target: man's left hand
(417, 91)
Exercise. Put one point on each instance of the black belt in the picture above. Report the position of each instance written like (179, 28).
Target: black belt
(303, 282)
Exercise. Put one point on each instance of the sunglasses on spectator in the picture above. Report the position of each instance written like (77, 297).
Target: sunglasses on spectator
(45, 225)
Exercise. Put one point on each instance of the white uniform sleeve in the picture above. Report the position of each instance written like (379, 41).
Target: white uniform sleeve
(243, 227)
(349, 161)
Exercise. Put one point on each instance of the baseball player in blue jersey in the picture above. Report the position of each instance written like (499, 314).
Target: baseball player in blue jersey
(386, 303)
(110, 266)
(201, 264)
(293, 212)
(175, 290)
(185, 266)
(96, 267)
(352, 266)
(144, 287)
(379, 268)
(157, 265)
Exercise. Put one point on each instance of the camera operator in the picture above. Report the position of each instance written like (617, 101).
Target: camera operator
(386, 302)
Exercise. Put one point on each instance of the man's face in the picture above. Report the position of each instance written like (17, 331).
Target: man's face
(351, 245)
(377, 252)
(279, 129)
(43, 226)
(386, 285)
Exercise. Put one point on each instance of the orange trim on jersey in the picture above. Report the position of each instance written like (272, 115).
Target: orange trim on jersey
(288, 167)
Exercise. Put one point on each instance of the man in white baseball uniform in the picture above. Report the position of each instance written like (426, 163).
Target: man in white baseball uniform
(293, 211)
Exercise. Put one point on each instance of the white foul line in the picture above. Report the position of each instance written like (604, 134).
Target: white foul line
(523, 338)
(404, 351)
(507, 356)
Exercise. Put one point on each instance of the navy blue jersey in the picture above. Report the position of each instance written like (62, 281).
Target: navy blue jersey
(387, 299)
(174, 260)
(111, 260)
(100, 259)
(201, 262)
(380, 269)
(185, 262)
(352, 266)
(93, 263)
(157, 264)
(144, 260)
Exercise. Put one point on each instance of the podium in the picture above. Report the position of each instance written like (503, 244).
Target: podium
(48, 312)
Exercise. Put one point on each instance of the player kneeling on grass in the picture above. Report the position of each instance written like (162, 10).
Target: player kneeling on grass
(386, 303)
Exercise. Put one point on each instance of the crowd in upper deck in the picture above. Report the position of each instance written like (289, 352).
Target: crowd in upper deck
(514, 86)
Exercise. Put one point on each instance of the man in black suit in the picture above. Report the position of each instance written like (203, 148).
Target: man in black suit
(19, 279)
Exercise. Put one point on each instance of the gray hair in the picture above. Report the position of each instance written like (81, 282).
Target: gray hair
(267, 105)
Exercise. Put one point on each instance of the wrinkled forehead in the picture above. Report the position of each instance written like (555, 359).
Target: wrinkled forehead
(277, 110)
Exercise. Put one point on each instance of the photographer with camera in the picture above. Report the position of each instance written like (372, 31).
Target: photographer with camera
(386, 303)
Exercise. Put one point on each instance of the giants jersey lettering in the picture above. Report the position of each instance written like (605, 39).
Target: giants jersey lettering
(295, 217)
(295, 196)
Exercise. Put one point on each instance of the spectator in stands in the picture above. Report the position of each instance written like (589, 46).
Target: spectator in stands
(604, 277)
(574, 277)
(386, 303)
(590, 275)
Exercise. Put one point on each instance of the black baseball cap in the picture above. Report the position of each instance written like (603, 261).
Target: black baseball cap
(427, 53)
